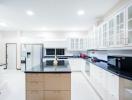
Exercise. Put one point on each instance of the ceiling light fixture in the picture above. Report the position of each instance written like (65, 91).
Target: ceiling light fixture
(30, 13)
(3, 24)
(81, 12)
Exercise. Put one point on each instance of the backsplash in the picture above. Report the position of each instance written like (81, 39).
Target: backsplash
(103, 54)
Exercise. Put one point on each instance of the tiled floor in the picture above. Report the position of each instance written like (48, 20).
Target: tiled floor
(81, 90)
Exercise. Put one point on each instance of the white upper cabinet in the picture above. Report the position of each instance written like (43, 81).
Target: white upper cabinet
(129, 25)
(77, 44)
(105, 35)
(114, 32)
(111, 39)
(120, 29)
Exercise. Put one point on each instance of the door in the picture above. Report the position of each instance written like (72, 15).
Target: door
(11, 55)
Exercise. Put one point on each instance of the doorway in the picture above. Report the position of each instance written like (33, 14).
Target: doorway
(11, 56)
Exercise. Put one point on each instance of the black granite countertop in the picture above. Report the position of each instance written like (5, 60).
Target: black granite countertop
(105, 66)
(49, 69)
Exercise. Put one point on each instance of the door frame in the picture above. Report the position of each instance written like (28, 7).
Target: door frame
(7, 56)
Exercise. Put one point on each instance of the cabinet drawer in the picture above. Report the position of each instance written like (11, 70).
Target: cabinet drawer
(34, 95)
(34, 77)
(57, 82)
(34, 85)
(57, 95)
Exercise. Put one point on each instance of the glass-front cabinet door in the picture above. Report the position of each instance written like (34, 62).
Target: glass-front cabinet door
(111, 32)
(100, 36)
(105, 34)
(120, 29)
(129, 25)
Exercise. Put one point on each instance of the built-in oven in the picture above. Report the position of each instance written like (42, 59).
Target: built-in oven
(121, 63)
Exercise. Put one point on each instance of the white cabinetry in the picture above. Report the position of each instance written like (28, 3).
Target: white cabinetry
(77, 44)
(114, 32)
(129, 25)
(120, 28)
(76, 64)
(110, 86)
(111, 32)
(106, 84)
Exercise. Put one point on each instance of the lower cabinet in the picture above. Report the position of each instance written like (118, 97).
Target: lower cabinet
(57, 95)
(34, 95)
(48, 86)
(110, 86)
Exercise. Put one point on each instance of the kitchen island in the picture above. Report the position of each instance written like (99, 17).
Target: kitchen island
(48, 82)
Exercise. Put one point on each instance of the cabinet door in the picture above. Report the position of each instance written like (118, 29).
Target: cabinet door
(100, 36)
(57, 95)
(34, 85)
(111, 32)
(57, 82)
(30, 77)
(129, 25)
(112, 85)
(120, 29)
(96, 38)
(105, 34)
(34, 95)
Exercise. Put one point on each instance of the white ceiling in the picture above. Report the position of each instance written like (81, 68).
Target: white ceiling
(52, 14)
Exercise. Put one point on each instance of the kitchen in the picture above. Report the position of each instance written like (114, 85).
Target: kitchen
(65, 50)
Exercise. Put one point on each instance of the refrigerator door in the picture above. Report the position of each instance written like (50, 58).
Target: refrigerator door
(33, 55)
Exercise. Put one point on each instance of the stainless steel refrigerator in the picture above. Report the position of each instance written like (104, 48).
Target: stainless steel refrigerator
(31, 56)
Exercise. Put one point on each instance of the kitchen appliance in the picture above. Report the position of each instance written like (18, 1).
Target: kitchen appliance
(31, 55)
(121, 63)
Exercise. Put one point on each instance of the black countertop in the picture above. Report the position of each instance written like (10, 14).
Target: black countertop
(50, 69)
(105, 66)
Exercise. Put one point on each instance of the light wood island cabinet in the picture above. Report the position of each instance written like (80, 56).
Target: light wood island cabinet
(48, 86)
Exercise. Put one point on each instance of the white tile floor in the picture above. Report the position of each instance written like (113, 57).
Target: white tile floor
(81, 90)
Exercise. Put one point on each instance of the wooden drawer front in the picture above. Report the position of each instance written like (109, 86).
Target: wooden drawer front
(57, 82)
(34, 85)
(57, 95)
(35, 95)
(34, 77)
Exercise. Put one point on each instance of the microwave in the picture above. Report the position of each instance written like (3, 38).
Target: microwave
(121, 63)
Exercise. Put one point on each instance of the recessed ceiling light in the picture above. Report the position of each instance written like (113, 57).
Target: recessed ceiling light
(81, 12)
(3, 24)
(30, 13)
